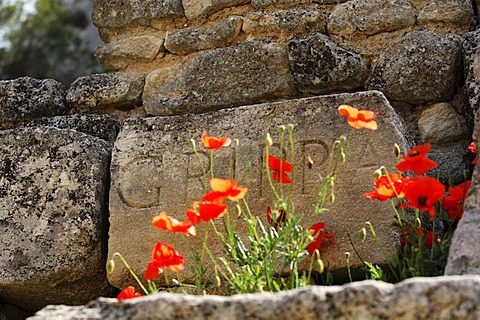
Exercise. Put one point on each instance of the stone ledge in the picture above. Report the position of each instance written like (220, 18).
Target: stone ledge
(454, 297)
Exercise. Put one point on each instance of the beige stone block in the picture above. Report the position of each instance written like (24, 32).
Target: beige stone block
(248, 73)
(153, 170)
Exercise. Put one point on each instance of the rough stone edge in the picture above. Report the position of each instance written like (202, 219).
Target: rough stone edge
(366, 299)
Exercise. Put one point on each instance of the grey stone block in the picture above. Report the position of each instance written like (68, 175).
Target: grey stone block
(420, 67)
(53, 196)
(320, 66)
(25, 99)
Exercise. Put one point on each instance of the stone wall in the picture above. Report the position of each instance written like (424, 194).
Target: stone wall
(232, 67)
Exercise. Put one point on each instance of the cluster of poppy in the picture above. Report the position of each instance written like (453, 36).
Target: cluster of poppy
(420, 192)
(212, 206)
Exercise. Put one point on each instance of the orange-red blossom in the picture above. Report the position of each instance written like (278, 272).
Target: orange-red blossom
(128, 293)
(359, 119)
(280, 169)
(214, 143)
(416, 160)
(224, 189)
(163, 256)
(387, 186)
(165, 222)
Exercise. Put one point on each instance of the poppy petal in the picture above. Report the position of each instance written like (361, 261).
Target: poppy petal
(277, 164)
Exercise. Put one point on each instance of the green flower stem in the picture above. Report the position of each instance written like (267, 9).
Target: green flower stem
(134, 275)
(354, 248)
(233, 159)
(281, 155)
(211, 164)
(382, 250)
(397, 214)
(202, 166)
(347, 261)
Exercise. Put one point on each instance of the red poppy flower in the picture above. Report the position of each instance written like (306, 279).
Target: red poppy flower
(163, 256)
(280, 218)
(318, 235)
(206, 211)
(224, 189)
(416, 160)
(128, 293)
(422, 192)
(473, 152)
(387, 186)
(165, 222)
(359, 119)
(154, 269)
(280, 169)
(429, 237)
(214, 142)
(193, 216)
(453, 203)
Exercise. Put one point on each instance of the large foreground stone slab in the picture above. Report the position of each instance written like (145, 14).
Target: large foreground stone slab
(153, 170)
(418, 298)
(52, 216)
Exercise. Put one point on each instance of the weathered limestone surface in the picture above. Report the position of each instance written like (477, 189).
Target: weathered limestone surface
(114, 14)
(202, 8)
(194, 39)
(419, 298)
(117, 55)
(452, 161)
(154, 170)
(458, 13)
(101, 126)
(320, 66)
(249, 73)
(106, 90)
(25, 99)
(370, 17)
(52, 212)
(419, 68)
(286, 21)
(441, 123)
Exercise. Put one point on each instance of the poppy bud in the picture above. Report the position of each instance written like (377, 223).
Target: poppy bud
(268, 140)
(238, 209)
(110, 266)
(309, 162)
(281, 129)
(320, 266)
(347, 255)
(332, 198)
(362, 235)
(377, 174)
(418, 223)
(396, 150)
(342, 140)
(290, 127)
(329, 279)
(218, 281)
(191, 144)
